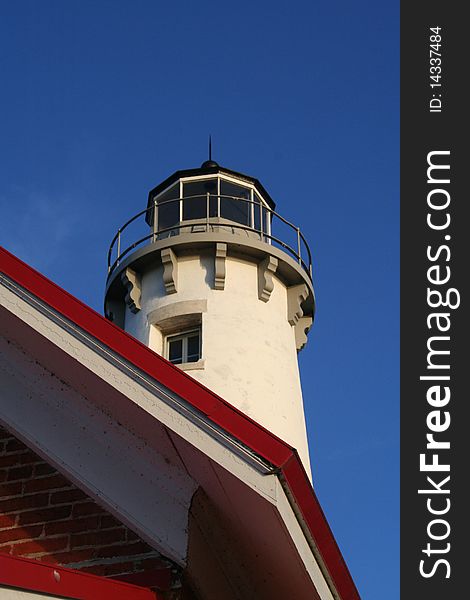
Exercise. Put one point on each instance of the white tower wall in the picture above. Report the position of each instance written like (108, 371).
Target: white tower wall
(249, 347)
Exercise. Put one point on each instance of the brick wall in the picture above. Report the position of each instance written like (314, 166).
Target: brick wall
(45, 517)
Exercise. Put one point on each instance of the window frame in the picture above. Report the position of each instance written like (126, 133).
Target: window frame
(184, 336)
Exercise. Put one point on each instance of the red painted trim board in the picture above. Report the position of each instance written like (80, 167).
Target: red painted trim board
(35, 576)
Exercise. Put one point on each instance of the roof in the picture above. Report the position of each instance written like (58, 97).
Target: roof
(227, 422)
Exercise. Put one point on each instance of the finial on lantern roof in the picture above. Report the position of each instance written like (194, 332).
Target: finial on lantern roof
(210, 162)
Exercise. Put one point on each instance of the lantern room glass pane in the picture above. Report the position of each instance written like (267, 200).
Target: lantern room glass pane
(257, 212)
(196, 207)
(168, 208)
(235, 209)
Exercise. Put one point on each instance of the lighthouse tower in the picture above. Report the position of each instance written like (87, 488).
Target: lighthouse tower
(211, 277)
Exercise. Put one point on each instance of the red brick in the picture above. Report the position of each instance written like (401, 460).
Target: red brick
(65, 558)
(4, 434)
(118, 569)
(46, 514)
(159, 579)
(123, 568)
(124, 550)
(8, 460)
(3, 475)
(45, 483)
(17, 504)
(7, 521)
(147, 564)
(67, 496)
(131, 536)
(40, 547)
(72, 525)
(30, 457)
(98, 538)
(16, 473)
(43, 469)
(94, 570)
(10, 489)
(108, 521)
(86, 508)
(20, 533)
(14, 445)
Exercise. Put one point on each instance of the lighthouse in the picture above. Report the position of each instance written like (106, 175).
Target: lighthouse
(158, 450)
(213, 278)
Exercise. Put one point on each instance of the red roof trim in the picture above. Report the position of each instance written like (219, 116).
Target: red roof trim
(250, 433)
(35, 576)
(293, 473)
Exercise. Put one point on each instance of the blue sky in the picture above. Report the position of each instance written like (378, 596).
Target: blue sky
(102, 100)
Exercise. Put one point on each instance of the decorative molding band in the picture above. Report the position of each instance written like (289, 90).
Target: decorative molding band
(176, 309)
(296, 295)
(266, 270)
(133, 282)
(301, 329)
(170, 270)
(219, 267)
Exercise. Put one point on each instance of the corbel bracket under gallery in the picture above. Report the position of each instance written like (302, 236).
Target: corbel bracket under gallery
(132, 282)
(296, 295)
(170, 270)
(301, 329)
(266, 270)
(219, 267)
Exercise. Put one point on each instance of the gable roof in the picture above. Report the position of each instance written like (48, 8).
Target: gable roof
(283, 460)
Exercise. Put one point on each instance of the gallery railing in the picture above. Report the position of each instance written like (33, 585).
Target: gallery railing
(261, 221)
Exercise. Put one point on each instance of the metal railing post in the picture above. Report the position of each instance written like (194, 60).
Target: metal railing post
(261, 221)
(118, 246)
(154, 221)
(298, 247)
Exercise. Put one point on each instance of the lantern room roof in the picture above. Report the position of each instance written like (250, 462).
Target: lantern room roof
(210, 167)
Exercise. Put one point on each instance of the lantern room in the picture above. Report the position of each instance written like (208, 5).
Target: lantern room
(210, 194)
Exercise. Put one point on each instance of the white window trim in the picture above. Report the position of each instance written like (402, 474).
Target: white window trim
(184, 335)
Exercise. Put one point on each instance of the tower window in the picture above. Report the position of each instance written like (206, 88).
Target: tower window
(184, 347)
